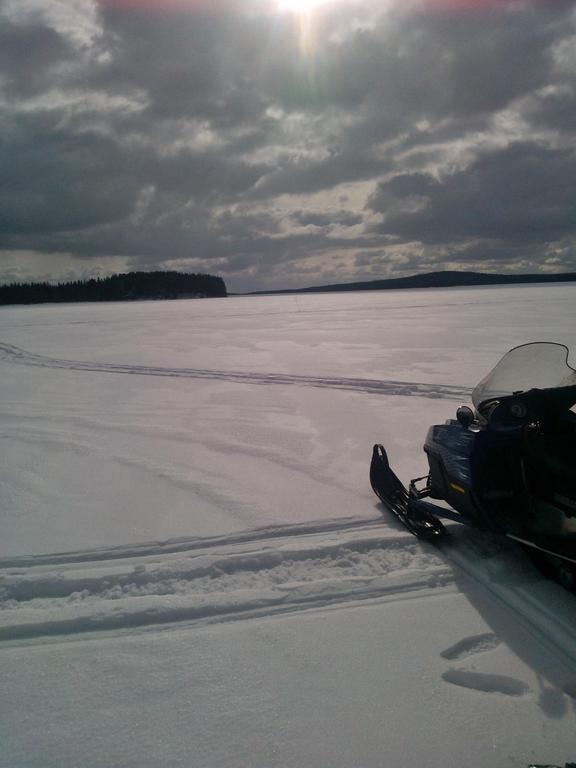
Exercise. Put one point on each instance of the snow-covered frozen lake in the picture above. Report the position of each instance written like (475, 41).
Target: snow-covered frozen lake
(195, 571)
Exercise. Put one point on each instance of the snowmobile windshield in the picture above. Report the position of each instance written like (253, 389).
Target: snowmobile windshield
(540, 365)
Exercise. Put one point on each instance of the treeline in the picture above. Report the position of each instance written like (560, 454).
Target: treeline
(126, 287)
(451, 279)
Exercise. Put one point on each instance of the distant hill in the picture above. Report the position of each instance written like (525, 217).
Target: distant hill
(435, 280)
(126, 287)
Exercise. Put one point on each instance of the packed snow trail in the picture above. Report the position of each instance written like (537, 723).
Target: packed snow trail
(272, 571)
(191, 543)
(366, 593)
(15, 354)
(235, 578)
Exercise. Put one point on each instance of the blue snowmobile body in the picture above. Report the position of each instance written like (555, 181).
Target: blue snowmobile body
(508, 466)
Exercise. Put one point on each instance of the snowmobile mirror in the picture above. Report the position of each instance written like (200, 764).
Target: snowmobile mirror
(465, 416)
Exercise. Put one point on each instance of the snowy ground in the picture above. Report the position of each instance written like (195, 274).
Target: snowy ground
(195, 572)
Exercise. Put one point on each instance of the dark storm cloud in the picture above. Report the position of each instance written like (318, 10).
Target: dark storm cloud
(28, 56)
(202, 65)
(341, 218)
(199, 134)
(294, 177)
(494, 252)
(524, 192)
(555, 110)
(55, 179)
(429, 65)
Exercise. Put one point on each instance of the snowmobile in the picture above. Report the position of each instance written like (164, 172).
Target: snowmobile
(507, 466)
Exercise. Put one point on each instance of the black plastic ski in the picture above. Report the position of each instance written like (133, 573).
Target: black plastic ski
(393, 494)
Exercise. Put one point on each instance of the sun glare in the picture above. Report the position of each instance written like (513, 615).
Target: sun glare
(300, 6)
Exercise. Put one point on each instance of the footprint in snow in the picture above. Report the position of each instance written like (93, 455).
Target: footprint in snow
(477, 681)
(470, 646)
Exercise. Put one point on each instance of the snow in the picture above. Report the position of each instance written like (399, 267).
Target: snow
(194, 570)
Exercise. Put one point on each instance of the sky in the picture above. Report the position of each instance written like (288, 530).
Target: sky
(286, 143)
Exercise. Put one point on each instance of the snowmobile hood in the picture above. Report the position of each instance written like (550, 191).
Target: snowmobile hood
(538, 365)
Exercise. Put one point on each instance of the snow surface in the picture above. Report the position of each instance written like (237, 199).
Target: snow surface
(194, 570)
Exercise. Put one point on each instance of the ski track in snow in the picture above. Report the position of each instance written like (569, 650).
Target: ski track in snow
(266, 572)
(15, 354)
(262, 573)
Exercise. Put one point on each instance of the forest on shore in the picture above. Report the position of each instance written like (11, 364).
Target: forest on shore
(131, 286)
(444, 279)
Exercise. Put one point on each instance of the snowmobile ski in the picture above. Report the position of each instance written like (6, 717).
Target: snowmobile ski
(393, 494)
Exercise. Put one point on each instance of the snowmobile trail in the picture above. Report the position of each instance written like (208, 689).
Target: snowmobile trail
(189, 543)
(268, 572)
(11, 353)
(221, 580)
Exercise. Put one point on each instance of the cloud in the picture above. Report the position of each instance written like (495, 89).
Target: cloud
(521, 193)
(333, 218)
(29, 55)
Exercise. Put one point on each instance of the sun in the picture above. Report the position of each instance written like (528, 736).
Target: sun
(300, 6)
(308, 20)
